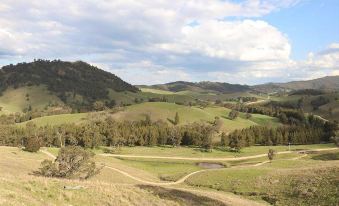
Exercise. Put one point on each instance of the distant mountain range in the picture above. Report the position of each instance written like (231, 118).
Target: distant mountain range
(329, 83)
(201, 87)
(82, 84)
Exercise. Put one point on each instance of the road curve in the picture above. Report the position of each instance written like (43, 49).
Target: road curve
(204, 158)
(183, 179)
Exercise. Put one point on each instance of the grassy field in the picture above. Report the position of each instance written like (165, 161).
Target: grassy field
(58, 119)
(304, 181)
(19, 187)
(156, 91)
(14, 100)
(197, 152)
(312, 175)
(166, 111)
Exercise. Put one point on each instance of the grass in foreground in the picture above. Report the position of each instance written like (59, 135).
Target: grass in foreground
(283, 182)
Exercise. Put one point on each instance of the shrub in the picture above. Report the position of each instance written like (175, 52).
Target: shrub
(32, 144)
(270, 154)
(335, 140)
(233, 114)
(73, 162)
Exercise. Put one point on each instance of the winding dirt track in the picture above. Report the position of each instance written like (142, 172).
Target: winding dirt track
(227, 199)
(204, 158)
(183, 179)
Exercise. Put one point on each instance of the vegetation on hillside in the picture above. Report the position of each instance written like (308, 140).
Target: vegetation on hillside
(76, 83)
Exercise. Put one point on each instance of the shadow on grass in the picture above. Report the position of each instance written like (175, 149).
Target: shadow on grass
(182, 197)
(327, 157)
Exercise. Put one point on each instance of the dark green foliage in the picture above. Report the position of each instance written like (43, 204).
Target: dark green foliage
(109, 132)
(312, 92)
(72, 162)
(319, 101)
(65, 79)
(224, 140)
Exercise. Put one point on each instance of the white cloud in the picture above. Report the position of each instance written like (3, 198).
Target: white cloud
(159, 41)
(246, 40)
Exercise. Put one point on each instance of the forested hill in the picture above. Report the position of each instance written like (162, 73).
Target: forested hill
(63, 79)
(205, 86)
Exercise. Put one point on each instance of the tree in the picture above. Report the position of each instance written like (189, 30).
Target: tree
(235, 143)
(271, 154)
(73, 162)
(176, 119)
(335, 140)
(32, 144)
(217, 123)
(175, 137)
(224, 139)
(98, 106)
(233, 114)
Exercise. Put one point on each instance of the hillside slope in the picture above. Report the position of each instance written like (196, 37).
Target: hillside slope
(62, 77)
(203, 87)
(166, 112)
(329, 83)
(77, 84)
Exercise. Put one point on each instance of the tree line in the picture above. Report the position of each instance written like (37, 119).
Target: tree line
(312, 131)
(110, 132)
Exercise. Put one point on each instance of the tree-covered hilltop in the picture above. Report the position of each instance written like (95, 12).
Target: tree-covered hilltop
(65, 79)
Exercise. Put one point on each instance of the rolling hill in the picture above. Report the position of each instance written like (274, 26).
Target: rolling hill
(76, 84)
(201, 87)
(329, 83)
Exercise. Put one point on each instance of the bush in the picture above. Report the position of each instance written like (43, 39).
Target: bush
(73, 162)
(335, 140)
(32, 144)
(270, 154)
(233, 114)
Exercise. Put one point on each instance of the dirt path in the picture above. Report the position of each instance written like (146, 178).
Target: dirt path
(191, 158)
(228, 199)
(183, 179)
(204, 158)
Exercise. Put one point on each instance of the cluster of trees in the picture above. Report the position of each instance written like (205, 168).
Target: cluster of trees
(309, 92)
(312, 131)
(319, 101)
(286, 116)
(109, 132)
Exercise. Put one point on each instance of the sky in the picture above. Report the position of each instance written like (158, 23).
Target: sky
(159, 41)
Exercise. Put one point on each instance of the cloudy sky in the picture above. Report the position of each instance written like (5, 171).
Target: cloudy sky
(158, 41)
